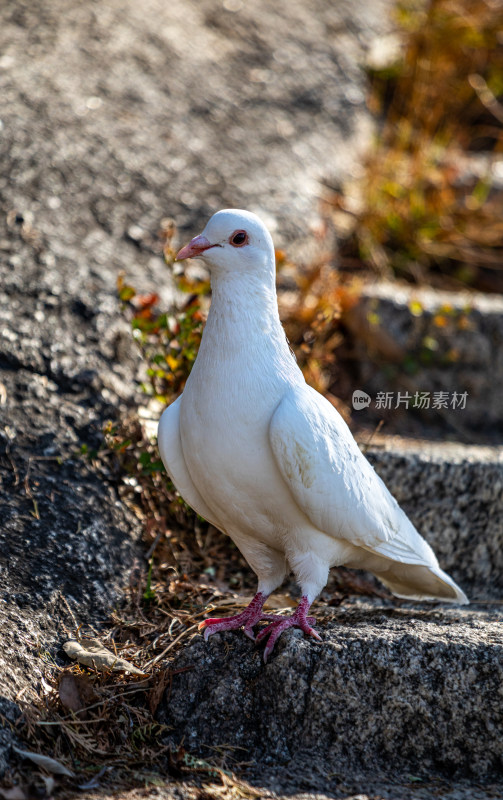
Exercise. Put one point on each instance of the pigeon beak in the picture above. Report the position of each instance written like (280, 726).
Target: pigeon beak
(194, 248)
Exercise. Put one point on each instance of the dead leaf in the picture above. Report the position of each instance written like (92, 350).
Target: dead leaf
(50, 764)
(160, 683)
(280, 601)
(93, 654)
(76, 691)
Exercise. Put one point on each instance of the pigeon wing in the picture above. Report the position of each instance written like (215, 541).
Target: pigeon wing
(342, 495)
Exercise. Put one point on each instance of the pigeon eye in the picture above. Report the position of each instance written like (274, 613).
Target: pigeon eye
(239, 238)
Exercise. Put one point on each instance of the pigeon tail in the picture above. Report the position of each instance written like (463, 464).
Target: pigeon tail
(419, 582)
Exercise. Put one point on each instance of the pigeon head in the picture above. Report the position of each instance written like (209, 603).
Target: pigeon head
(233, 241)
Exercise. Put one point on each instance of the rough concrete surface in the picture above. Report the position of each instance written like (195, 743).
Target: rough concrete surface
(387, 691)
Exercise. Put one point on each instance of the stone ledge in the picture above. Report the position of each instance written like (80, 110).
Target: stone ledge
(387, 688)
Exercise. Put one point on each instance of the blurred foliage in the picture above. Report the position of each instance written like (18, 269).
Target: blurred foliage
(426, 205)
(169, 342)
(312, 315)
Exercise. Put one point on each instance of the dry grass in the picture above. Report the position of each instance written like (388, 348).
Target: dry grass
(101, 724)
(425, 208)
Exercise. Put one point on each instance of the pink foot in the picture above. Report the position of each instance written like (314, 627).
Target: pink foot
(247, 619)
(280, 624)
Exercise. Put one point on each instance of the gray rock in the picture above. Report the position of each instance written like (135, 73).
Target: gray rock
(10, 713)
(388, 690)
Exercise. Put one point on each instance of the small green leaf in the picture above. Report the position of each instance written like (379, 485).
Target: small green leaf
(149, 593)
(127, 293)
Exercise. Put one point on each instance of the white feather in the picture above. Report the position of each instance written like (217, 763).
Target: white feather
(170, 448)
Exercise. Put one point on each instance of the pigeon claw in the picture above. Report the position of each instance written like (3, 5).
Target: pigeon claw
(252, 614)
(246, 619)
(298, 620)
(216, 624)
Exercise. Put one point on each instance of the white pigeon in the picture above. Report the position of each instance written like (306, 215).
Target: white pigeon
(268, 460)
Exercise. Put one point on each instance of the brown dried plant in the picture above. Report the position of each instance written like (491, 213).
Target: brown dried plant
(426, 208)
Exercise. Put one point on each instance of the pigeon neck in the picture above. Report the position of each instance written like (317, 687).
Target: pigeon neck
(245, 304)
